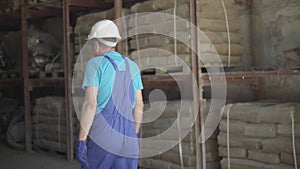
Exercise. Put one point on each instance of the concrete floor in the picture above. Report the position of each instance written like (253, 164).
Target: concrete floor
(14, 159)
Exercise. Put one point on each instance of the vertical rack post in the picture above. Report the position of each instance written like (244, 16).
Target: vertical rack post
(28, 127)
(196, 94)
(118, 5)
(68, 74)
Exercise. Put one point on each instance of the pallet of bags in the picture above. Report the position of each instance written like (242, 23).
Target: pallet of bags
(260, 135)
(158, 47)
(166, 118)
(212, 38)
(49, 124)
(214, 46)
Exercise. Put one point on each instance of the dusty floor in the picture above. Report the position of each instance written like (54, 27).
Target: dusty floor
(15, 159)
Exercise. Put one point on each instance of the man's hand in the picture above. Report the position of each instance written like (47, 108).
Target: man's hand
(81, 154)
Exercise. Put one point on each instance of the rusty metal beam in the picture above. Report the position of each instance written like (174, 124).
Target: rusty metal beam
(51, 82)
(88, 4)
(68, 79)
(118, 14)
(10, 83)
(245, 77)
(40, 13)
(28, 127)
(263, 73)
(198, 87)
(153, 81)
(10, 18)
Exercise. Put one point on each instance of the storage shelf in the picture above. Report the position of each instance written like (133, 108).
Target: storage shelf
(41, 13)
(75, 7)
(152, 81)
(89, 4)
(247, 77)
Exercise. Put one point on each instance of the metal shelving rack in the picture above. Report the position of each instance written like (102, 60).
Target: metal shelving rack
(252, 77)
(33, 11)
(28, 13)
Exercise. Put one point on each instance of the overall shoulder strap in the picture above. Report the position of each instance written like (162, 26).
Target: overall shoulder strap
(112, 62)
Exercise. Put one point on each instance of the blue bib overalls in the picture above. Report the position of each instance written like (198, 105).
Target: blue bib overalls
(113, 143)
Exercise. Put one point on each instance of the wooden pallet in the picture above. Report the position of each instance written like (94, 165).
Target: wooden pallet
(53, 74)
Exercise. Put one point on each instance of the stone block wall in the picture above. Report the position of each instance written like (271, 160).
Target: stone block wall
(260, 135)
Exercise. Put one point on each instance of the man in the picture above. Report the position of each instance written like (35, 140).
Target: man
(113, 105)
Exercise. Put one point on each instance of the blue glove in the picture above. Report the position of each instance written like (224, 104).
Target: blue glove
(81, 154)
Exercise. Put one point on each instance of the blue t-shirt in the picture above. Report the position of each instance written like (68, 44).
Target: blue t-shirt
(100, 72)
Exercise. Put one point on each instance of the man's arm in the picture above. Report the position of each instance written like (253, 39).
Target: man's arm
(88, 111)
(138, 110)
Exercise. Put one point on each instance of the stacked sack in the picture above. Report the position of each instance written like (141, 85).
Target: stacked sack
(260, 136)
(210, 146)
(171, 158)
(49, 124)
(153, 49)
(211, 21)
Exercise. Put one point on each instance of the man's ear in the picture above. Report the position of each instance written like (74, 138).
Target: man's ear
(97, 47)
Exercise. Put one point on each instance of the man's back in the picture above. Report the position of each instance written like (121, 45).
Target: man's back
(101, 73)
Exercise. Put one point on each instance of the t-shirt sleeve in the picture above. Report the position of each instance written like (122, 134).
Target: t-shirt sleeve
(92, 74)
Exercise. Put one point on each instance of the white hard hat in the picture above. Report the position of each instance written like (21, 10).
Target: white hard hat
(105, 29)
